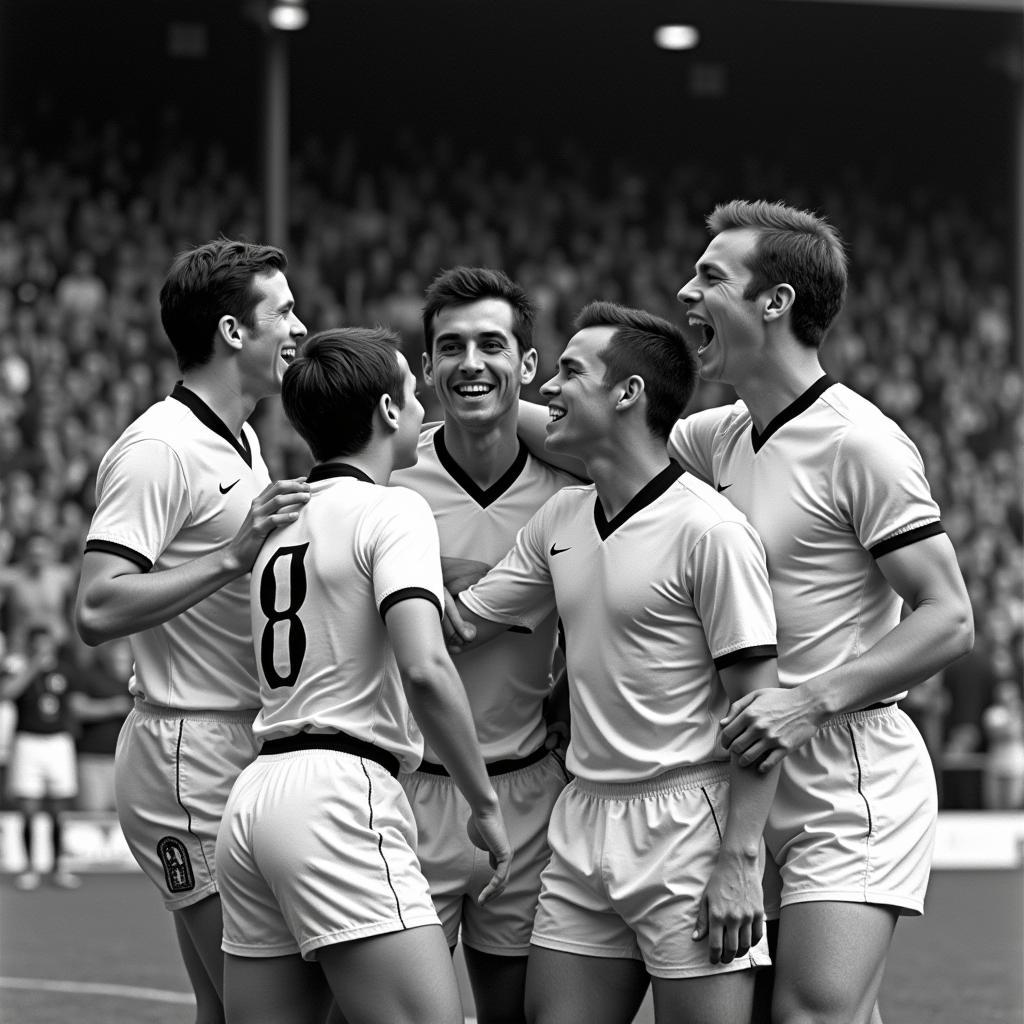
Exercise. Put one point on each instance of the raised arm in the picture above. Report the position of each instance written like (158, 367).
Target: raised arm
(117, 598)
(438, 702)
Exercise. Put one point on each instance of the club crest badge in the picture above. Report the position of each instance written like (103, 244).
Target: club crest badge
(177, 866)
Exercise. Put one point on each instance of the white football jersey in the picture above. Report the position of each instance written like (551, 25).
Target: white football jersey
(177, 485)
(506, 680)
(830, 485)
(320, 589)
(652, 603)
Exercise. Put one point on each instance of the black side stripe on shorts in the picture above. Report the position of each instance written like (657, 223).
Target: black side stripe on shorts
(380, 842)
(856, 757)
(711, 808)
(177, 794)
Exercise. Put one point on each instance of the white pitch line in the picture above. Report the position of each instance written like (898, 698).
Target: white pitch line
(156, 995)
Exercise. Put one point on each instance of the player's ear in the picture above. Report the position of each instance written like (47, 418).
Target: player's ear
(629, 392)
(388, 413)
(428, 369)
(779, 301)
(228, 330)
(528, 365)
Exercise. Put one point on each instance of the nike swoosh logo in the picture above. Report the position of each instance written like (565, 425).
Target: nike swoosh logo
(557, 551)
(224, 490)
(722, 487)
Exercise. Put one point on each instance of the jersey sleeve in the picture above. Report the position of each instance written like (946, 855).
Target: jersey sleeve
(518, 590)
(728, 578)
(142, 502)
(691, 442)
(881, 488)
(406, 551)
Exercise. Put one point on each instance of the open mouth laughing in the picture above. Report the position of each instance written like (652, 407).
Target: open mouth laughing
(707, 331)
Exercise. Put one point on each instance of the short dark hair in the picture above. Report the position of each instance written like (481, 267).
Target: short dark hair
(460, 286)
(206, 283)
(332, 387)
(794, 247)
(651, 348)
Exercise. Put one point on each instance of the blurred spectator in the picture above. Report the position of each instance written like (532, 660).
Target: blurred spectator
(9, 664)
(40, 593)
(100, 701)
(1003, 723)
(43, 773)
(81, 294)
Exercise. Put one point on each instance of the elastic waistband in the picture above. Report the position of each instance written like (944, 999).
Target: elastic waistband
(883, 709)
(244, 715)
(339, 741)
(690, 776)
(503, 767)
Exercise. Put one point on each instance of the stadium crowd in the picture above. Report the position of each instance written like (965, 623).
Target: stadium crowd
(86, 237)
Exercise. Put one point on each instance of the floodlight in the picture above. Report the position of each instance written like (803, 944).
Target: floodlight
(288, 15)
(676, 37)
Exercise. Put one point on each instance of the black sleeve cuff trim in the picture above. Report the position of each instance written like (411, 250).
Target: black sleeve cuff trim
(901, 540)
(111, 548)
(403, 595)
(747, 654)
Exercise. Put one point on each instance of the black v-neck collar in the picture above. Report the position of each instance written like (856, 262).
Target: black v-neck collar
(329, 470)
(648, 494)
(481, 496)
(805, 401)
(210, 419)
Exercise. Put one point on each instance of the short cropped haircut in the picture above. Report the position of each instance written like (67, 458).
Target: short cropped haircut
(461, 286)
(331, 389)
(794, 247)
(651, 348)
(206, 283)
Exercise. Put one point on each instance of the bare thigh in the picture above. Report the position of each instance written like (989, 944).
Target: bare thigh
(830, 962)
(402, 977)
(201, 925)
(565, 988)
(274, 990)
(712, 999)
(498, 986)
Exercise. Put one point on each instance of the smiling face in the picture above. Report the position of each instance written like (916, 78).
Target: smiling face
(731, 325)
(269, 345)
(476, 366)
(580, 404)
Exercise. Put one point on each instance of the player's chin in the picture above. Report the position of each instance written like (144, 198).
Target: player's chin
(280, 365)
(555, 438)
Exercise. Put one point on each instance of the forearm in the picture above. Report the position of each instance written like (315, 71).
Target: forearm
(438, 702)
(750, 798)
(484, 630)
(93, 709)
(923, 644)
(131, 602)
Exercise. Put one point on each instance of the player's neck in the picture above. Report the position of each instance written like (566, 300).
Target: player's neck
(376, 461)
(778, 382)
(621, 470)
(485, 456)
(223, 396)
